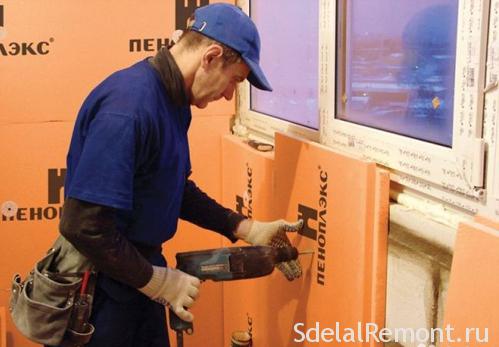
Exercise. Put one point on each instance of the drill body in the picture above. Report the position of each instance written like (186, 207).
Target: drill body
(234, 263)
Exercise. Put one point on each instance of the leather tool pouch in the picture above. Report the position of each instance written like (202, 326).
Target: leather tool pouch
(47, 307)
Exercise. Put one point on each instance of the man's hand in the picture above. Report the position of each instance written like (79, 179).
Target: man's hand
(173, 288)
(272, 234)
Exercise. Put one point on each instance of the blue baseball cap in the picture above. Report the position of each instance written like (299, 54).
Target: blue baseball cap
(229, 25)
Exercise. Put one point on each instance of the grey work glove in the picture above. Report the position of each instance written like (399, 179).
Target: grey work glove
(274, 234)
(174, 289)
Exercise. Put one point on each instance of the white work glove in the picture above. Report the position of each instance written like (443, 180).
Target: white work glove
(274, 234)
(174, 289)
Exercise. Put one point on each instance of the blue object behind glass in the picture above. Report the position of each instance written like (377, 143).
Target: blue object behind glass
(396, 62)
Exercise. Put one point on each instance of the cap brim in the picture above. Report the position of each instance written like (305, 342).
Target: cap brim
(256, 76)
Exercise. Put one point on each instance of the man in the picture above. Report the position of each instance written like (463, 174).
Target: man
(127, 176)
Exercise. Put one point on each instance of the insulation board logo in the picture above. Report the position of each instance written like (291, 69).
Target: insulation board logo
(315, 224)
(11, 211)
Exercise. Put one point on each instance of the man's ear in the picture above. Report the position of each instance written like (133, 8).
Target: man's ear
(211, 53)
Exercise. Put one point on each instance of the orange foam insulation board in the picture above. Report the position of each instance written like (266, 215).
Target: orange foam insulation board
(471, 316)
(344, 203)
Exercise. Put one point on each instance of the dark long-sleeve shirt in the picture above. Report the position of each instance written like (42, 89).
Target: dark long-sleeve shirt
(92, 229)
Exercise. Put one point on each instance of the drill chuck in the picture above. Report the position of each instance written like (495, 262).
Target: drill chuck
(285, 254)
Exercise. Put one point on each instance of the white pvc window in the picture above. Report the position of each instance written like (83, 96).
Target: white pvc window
(409, 85)
(411, 95)
(290, 59)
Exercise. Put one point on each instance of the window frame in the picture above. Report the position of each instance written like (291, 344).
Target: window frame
(458, 175)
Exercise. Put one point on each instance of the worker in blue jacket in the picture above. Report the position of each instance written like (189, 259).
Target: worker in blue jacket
(128, 171)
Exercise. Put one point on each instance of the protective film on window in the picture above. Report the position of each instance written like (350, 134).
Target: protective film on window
(395, 66)
(289, 33)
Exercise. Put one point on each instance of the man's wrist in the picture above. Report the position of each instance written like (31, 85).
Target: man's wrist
(154, 286)
(243, 229)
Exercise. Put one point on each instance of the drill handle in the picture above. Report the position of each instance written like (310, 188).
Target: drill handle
(180, 325)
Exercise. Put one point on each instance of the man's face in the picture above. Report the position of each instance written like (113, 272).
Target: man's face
(213, 81)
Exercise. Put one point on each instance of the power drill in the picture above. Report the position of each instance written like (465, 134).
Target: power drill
(228, 264)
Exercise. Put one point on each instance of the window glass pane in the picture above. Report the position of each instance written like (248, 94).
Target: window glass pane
(289, 32)
(396, 63)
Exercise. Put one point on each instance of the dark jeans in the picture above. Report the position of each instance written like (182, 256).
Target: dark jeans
(134, 322)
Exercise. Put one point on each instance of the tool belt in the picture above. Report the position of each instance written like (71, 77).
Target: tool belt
(48, 306)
